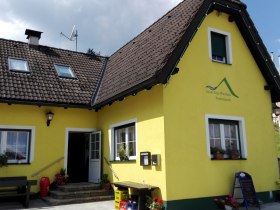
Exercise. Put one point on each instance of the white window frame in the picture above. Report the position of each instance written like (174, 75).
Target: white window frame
(31, 137)
(71, 72)
(10, 60)
(228, 45)
(242, 132)
(112, 139)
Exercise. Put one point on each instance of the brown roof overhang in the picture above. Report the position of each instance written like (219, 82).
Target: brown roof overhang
(238, 13)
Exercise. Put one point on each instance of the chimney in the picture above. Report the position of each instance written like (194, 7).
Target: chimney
(33, 36)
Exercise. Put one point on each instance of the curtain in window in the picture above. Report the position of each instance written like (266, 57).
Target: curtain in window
(17, 145)
(218, 44)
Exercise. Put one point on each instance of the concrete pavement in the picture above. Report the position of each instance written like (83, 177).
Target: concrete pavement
(38, 204)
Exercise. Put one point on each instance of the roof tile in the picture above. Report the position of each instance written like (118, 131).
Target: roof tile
(144, 57)
(42, 84)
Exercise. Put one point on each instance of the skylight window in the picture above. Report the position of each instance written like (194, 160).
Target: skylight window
(16, 64)
(64, 71)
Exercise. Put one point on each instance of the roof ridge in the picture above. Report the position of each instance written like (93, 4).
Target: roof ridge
(95, 94)
(56, 48)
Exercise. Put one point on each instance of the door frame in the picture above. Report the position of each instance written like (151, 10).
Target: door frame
(69, 130)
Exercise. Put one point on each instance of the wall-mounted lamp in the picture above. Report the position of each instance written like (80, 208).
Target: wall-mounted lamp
(49, 117)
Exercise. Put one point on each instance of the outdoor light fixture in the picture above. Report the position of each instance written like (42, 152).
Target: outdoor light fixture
(49, 117)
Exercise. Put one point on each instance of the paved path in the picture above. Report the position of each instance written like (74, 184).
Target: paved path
(40, 205)
(102, 205)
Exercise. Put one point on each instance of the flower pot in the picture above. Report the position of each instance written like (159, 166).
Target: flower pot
(228, 207)
(234, 156)
(219, 156)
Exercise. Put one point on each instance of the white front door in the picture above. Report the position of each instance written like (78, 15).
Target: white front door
(95, 157)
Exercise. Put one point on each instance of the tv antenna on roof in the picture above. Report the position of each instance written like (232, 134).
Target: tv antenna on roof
(73, 36)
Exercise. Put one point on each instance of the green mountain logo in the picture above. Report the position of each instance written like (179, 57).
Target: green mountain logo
(226, 83)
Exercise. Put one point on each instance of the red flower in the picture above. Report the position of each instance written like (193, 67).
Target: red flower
(160, 201)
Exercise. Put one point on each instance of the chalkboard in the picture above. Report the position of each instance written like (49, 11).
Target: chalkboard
(247, 188)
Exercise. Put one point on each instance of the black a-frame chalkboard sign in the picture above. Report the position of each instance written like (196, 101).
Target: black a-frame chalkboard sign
(244, 190)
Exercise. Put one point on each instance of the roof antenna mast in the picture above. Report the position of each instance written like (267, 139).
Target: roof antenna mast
(73, 36)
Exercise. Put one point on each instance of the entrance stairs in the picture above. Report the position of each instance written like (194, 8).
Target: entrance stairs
(77, 193)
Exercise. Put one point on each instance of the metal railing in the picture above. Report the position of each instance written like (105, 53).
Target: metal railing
(110, 166)
(47, 167)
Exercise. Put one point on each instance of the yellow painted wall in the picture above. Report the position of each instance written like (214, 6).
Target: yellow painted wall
(49, 141)
(190, 172)
(171, 122)
(147, 108)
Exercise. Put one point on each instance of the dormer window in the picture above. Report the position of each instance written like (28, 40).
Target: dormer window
(16, 64)
(64, 71)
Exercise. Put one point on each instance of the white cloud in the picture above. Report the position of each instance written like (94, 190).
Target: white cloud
(102, 25)
(13, 30)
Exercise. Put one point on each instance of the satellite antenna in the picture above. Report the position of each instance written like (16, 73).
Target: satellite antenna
(73, 36)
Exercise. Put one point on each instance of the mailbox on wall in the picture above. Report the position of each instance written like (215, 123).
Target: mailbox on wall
(145, 158)
(156, 160)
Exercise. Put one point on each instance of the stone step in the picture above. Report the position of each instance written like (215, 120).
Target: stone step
(74, 187)
(76, 194)
(53, 201)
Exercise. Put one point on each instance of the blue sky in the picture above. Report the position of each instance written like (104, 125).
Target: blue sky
(266, 16)
(107, 25)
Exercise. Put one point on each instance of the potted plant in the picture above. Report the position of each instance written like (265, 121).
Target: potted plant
(61, 178)
(227, 203)
(105, 183)
(234, 154)
(154, 203)
(218, 153)
(3, 159)
(122, 152)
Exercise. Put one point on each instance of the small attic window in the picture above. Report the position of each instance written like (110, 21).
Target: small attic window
(64, 71)
(220, 46)
(16, 64)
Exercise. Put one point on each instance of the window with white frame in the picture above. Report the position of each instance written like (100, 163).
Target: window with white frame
(16, 64)
(16, 145)
(226, 133)
(219, 46)
(123, 137)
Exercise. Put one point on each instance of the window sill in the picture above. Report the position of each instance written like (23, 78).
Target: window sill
(229, 159)
(19, 164)
(216, 61)
(123, 161)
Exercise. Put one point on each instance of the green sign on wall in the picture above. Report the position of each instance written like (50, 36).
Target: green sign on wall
(225, 94)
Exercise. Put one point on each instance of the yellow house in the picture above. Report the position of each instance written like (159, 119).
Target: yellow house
(199, 78)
